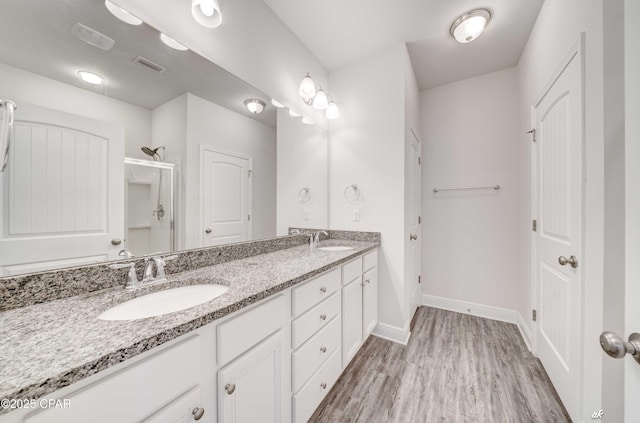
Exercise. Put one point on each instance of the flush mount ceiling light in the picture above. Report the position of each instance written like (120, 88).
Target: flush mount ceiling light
(314, 95)
(254, 105)
(469, 26)
(172, 43)
(206, 12)
(122, 14)
(91, 78)
(277, 103)
(292, 113)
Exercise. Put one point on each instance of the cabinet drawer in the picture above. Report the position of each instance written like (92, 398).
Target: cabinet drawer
(136, 391)
(249, 328)
(311, 395)
(309, 323)
(309, 357)
(351, 270)
(311, 293)
(370, 260)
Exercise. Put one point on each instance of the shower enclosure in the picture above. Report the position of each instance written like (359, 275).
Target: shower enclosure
(149, 206)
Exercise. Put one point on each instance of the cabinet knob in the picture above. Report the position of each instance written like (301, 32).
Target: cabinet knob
(323, 289)
(197, 413)
(323, 349)
(323, 385)
(207, 231)
(323, 317)
(230, 388)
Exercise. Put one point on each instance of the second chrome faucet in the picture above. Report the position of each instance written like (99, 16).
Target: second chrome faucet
(151, 263)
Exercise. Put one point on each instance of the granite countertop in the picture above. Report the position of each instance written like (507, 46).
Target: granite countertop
(51, 345)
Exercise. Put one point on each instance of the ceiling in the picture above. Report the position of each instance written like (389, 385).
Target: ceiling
(341, 32)
(40, 42)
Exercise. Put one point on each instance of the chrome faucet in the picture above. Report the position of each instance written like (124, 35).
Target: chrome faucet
(315, 238)
(158, 263)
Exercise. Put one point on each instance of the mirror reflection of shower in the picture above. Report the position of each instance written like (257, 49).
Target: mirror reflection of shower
(149, 184)
(153, 153)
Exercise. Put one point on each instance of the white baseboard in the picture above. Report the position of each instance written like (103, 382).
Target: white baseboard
(392, 333)
(480, 310)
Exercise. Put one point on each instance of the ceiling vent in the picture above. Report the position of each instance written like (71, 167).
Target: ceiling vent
(149, 64)
(92, 37)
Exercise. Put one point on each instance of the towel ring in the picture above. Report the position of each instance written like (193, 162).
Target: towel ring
(352, 193)
(304, 195)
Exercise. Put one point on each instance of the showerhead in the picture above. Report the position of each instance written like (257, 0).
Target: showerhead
(152, 152)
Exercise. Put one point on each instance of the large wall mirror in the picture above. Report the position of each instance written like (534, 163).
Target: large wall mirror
(163, 155)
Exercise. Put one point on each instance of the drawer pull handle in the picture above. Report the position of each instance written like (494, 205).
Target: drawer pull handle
(230, 388)
(323, 289)
(323, 385)
(197, 413)
(323, 317)
(323, 349)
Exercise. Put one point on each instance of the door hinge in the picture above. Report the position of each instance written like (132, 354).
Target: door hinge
(419, 161)
(419, 279)
(419, 220)
(534, 315)
(534, 225)
(248, 217)
(532, 132)
(249, 173)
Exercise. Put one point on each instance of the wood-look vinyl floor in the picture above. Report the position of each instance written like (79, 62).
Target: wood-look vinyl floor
(456, 368)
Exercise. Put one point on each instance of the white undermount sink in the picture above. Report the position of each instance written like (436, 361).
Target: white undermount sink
(335, 248)
(164, 302)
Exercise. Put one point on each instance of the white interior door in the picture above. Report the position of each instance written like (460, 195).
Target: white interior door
(558, 123)
(62, 196)
(632, 182)
(226, 198)
(415, 236)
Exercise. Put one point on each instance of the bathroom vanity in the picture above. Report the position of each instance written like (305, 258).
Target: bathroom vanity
(269, 349)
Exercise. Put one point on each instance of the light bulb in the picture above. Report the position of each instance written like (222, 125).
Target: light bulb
(91, 78)
(332, 111)
(172, 43)
(206, 12)
(320, 100)
(122, 14)
(277, 103)
(207, 8)
(292, 113)
(307, 87)
(307, 121)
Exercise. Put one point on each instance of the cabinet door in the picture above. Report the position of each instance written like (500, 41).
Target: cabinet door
(250, 387)
(351, 319)
(185, 409)
(369, 302)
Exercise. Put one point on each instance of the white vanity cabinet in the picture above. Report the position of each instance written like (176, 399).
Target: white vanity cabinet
(252, 356)
(359, 303)
(163, 386)
(315, 341)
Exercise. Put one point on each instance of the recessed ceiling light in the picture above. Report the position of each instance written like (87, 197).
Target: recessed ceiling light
(122, 14)
(307, 121)
(292, 113)
(206, 12)
(91, 78)
(277, 103)
(172, 43)
(469, 26)
(254, 105)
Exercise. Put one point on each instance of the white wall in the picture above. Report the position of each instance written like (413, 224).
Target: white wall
(367, 148)
(470, 246)
(558, 26)
(252, 43)
(17, 84)
(302, 162)
(215, 126)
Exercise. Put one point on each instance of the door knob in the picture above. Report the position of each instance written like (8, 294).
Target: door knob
(116, 241)
(616, 347)
(413, 237)
(197, 412)
(573, 261)
(230, 388)
(207, 231)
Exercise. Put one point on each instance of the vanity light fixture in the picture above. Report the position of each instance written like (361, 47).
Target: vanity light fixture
(314, 95)
(469, 26)
(122, 14)
(254, 105)
(292, 113)
(206, 12)
(277, 103)
(91, 78)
